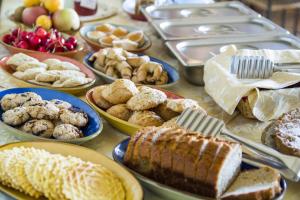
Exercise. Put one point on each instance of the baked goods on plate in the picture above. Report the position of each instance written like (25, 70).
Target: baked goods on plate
(41, 114)
(115, 63)
(101, 35)
(283, 133)
(63, 171)
(129, 107)
(178, 164)
(51, 71)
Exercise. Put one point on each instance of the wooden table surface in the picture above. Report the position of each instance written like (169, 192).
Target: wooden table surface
(109, 137)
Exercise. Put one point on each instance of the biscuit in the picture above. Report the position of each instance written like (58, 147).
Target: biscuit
(63, 66)
(98, 99)
(42, 128)
(120, 111)
(15, 116)
(48, 76)
(119, 91)
(146, 99)
(179, 105)
(51, 62)
(61, 104)
(18, 59)
(66, 132)
(74, 117)
(46, 110)
(145, 118)
(67, 81)
(10, 101)
(29, 74)
(166, 113)
(29, 65)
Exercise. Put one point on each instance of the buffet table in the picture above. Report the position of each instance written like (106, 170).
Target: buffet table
(109, 137)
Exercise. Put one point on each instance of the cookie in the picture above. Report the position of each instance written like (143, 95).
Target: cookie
(166, 113)
(119, 91)
(51, 62)
(74, 117)
(71, 81)
(29, 65)
(66, 132)
(98, 98)
(48, 76)
(61, 104)
(29, 74)
(145, 118)
(39, 127)
(146, 99)
(10, 101)
(48, 110)
(120, 111)
(15, 116)
(18, 59)
(63, 66)
(179, 105)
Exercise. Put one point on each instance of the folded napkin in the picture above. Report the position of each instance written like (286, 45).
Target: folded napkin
(227, 90)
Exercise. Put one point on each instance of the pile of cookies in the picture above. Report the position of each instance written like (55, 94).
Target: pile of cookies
(50, 72)
(141, 105)
(39, 173)
(55, 119)
(111, 36)
(119, 63)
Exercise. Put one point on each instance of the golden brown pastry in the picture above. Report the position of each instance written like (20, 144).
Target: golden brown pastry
(119, 91)
(120, 111)
(165, 112)
(146, 99)
(98, 98)
(179, 105)
(146, 118)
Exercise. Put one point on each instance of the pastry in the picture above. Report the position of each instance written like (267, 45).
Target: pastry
(137, 61)
(179, 105)
(95, 35)
(64, 66)
(98, 98)
(51, 62)
(18, 59)
(29, 74)
(145, 118)
(10, 101)
(61, 104)
(146, 99)
(105, 28)
(119, 91)
(166, 113)
(74, 117)
(184, 159)
(39, 127)
(66, 132)
(48, 76)
(136, 36)
(48, 110)
(125, 44)
(15, 116)
(71, 81)
(107, 41)
(120, 32)
(120, 111)
(29, 65)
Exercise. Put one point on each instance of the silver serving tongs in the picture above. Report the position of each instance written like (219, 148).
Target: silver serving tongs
(258, 67)
(196, 120)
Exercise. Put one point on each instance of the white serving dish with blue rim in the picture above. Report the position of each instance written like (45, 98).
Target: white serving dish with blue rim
(172, 72)
(92, 130)
(167, 192)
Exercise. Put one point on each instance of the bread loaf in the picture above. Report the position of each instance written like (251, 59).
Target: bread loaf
(184, 160)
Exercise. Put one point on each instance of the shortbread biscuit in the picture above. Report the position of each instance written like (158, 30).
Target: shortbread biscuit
(18, 59)
(29, 65)
(29, 74)
(63, 66)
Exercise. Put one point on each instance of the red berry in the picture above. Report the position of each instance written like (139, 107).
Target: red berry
(41, 32)
(59, 49)
(42, 49)
(69, 46)
(61, 41)
(24, 35)
(16, 32)
(8, 39)
(72, 40)
(23, 45)
(35, 40)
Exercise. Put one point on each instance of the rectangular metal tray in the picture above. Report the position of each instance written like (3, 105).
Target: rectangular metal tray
(173, 11)
(216, 27)
(196, 52)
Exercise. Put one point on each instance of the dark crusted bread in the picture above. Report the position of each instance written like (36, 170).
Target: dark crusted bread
(184, 160)
(263, 183)
(284, 133)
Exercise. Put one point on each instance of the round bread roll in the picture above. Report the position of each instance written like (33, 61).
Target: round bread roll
(120, 111)
(98, 98)
(146, 99)
(146, 118)
(119, 91)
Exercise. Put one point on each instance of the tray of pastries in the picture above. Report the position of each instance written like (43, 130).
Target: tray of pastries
(51, 71)
(180, 164)
(43, 114)
(129, 107)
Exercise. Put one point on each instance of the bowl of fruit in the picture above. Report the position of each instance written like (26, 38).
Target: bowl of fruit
(41, 40)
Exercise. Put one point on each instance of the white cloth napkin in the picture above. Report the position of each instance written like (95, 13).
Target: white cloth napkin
(227, 90)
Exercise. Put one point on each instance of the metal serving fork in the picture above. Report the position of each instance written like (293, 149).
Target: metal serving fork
(258, 67)
(196, 120)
